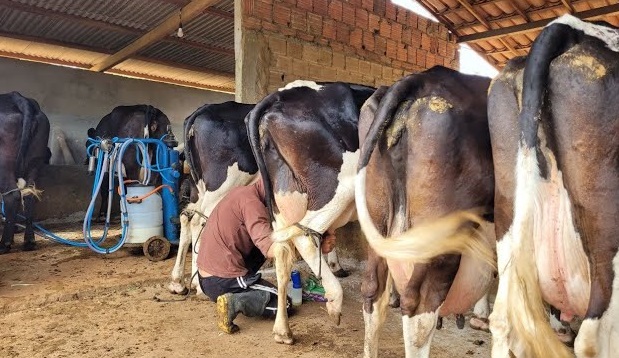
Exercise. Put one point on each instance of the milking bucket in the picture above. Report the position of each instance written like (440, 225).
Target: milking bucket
(145, 216)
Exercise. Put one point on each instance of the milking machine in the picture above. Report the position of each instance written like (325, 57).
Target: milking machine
(149, 214)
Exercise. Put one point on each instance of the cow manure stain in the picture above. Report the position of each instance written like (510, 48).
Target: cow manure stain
(589, 66)
(439, 104)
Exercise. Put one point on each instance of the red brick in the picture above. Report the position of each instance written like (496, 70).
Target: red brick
(406, 35)
(426, 42)
(376, 70)
(379, 8)
(283, 63)
(248, 7)
(381, 45)
(305, 36)
(451, 50)
(263, 10)
(294, 50)
(430, 60)
(251, 23)
(356, 37)
(337, 46)
(396, 31)
(342, 32)
(275, 78)
(387, 72)
(373, 23)
(409, 67)
(314, 72)
(368, 4)
(422, 24)
(416, 38)
(325, 57)
(328, 29)
(355, 3)
(321, 7)
(311, 53)
(348, 14)
(421, 58)
(401, 16)
(368, 40)
(298, 20)
(412, 54)
(328, 73)
(291, 2)
(339, 61)
(390, 10)
(299, 68)
(402, 54)
(361, 18)
(434, 45)
(443, 33)
(281, 14)
(365, 67)
(392, 49)
(412, 20)
(314, 24)
(385, 28)
(352, 64)
(287, 31)
(442, 48)
(269, 26)
(335, 10)
(305, 5)
(277, 45)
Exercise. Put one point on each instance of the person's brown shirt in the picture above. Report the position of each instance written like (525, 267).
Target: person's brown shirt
(236, 238)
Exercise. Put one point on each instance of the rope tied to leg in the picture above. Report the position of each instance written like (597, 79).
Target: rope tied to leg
(317, 240)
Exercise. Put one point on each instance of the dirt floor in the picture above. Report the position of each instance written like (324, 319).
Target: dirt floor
(61, 301)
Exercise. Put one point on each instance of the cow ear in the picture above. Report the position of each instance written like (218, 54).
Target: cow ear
(91, 133)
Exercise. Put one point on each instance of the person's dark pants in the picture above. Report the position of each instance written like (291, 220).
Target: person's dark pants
(260, 295)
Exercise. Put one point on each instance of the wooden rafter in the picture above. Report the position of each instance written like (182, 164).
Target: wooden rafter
(186, 13)
(536, 25)
(568, 6)
(209, 11)
(554, 6)
(521, 13)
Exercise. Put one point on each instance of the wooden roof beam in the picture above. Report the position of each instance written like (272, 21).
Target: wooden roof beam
(568, 6)
(536, 25)
(187, 13)
(209, 11)
(519, 11)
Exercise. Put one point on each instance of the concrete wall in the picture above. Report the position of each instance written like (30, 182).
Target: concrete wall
(370, 42)
(75, 100)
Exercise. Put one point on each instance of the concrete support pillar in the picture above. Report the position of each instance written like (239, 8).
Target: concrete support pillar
(252, 54)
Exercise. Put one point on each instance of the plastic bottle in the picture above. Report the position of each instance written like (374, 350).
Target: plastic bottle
(295, 288)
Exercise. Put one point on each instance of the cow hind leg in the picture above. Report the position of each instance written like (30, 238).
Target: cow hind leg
(334, 264)
(376, 291)
(418, 332)
(283, 253)
(481, 311)
(599, 337)
(10, 203)
(177, 285)
(196, 229)
(29, 243)
(499, 325)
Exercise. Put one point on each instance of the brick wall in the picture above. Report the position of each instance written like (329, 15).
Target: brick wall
(371, 42)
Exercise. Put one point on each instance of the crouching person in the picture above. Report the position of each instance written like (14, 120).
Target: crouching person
(233, 246)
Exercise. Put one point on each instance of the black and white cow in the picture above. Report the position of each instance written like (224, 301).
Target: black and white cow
(554, 122)
(425, 162)
(137, 121)
(304, 137)
(219, 158)
(24, 133)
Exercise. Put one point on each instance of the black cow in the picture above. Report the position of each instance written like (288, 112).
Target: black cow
(554, 124)
(426, 160)
(304, 137)
(137, 121)
(24, 133)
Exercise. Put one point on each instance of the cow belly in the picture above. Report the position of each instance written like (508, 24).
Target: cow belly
(563, 267)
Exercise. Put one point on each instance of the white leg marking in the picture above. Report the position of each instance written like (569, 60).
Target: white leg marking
(374, 321)
(177, 285)
(418, 333)
(499, 325)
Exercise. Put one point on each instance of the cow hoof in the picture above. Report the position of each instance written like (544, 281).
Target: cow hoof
(177, 288)
(394, 302)
(479, 324)
(283, 338)
(460, 321)
(4, 249)
(341, 273)
(335, 318)
(566, 336)
(29, 246)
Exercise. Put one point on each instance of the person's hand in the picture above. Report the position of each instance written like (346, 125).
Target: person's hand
(328, 242)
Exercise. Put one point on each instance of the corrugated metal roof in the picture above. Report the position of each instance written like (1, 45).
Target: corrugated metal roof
(504, 29)
(91, 29)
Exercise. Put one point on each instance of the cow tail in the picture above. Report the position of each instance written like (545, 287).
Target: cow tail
(28, 123)
(454, 233)
(526, 311)
(187, 128)
(252, 123)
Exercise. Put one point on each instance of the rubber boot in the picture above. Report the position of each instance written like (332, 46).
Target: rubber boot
(250, 303)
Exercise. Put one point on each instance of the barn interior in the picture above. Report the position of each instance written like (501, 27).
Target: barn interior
(81, 58)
